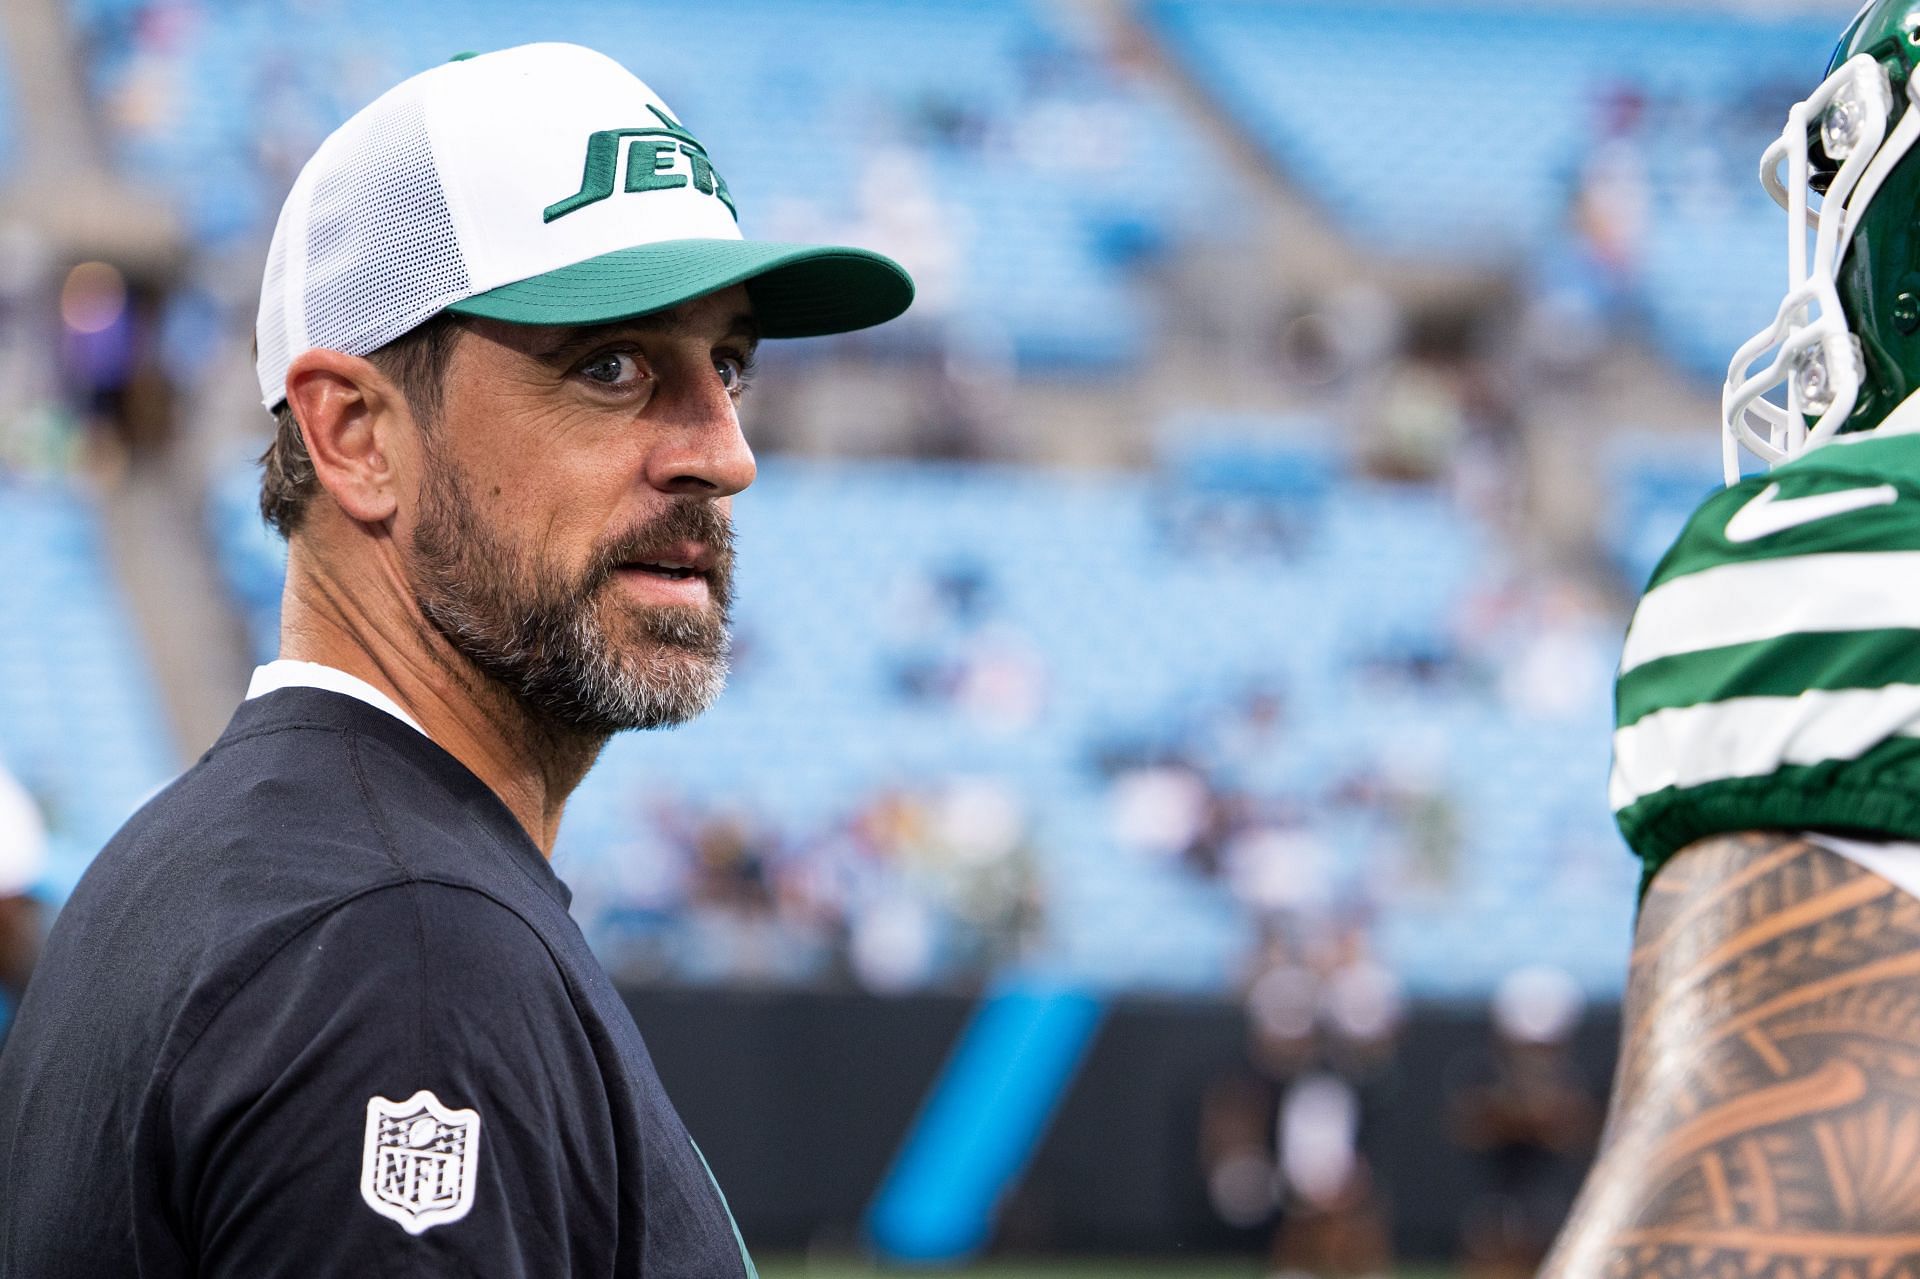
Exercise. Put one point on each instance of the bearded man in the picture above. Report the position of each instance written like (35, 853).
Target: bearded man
(318, 1008)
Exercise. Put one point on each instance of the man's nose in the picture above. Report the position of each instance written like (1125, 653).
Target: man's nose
(701, 448)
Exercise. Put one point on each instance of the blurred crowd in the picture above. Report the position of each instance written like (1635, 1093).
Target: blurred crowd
(915, 889)
(1290, 1141)
(937, 883)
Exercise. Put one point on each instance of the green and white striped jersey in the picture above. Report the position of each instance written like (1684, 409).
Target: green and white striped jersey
(1771, 678)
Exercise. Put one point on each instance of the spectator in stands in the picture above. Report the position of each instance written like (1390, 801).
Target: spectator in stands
(1545, 641)
(1414, 662)
(894, 943)
(1418, 422)
(1332, 1218)
(37, 432)
(735, 929)
(1564, 664)
(1587, 288)
(1530, 1116)
(938, 884)
(23, 851)
(1280, 870)
(1243, 733)
(1281, 1137)
(957, 653)
(1441, 402)
(1405, 797)
(1000, 680)
(1160, 807)
(984, 871)
(1611, 201)
(627, 892)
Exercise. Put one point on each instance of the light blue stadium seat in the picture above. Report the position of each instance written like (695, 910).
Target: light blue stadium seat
(1137, 638)
(1459, 131)
(80, 723)
(1042, 249)
(1656, 481)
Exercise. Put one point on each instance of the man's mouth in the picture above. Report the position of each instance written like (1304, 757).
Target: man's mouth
(681, 563)
(672, 572)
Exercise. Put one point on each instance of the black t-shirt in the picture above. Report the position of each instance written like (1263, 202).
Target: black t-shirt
(319, 1009)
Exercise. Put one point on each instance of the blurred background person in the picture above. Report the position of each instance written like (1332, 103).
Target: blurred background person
(1526, 1111)
(23, 858)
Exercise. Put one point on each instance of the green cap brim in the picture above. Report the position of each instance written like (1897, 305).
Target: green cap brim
(798, 290)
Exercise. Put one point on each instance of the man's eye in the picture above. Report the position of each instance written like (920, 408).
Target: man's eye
(734, 373)
(615, 368)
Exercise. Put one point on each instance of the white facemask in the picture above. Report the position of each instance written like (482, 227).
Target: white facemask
(1812, 350)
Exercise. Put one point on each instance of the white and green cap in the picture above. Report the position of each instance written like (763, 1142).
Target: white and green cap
(543, 184)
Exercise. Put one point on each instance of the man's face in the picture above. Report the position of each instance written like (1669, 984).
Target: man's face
(571, 535)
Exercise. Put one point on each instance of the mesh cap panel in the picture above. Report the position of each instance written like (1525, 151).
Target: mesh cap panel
(271, 331)
(382, 256)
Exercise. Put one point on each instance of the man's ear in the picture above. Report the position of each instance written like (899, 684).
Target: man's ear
(348, 413)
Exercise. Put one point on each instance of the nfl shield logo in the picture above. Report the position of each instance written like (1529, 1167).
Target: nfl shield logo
(419, 1162)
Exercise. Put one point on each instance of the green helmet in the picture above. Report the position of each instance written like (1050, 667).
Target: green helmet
(1846, 339)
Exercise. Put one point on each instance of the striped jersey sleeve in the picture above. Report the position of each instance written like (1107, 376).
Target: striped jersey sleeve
(1771, 674)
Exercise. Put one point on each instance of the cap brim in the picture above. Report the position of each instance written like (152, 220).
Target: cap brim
(798, 290)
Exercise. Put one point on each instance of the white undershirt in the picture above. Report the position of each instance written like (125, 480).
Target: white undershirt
(285, 672)
(1895, 860)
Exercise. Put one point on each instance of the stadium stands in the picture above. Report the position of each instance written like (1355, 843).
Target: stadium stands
(1037, 641)
(9, 141)
(974, 141)
(1656, 482)
(79, 720)
(1066, 668)
(1473, 132)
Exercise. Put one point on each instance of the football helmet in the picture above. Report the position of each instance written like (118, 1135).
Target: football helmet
(1845, 341)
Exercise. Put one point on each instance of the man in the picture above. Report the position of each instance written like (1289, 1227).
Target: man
(1766, 1112)
(23, 855)
(318, 1009)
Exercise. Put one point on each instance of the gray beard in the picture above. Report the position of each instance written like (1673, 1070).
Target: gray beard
(544, 644)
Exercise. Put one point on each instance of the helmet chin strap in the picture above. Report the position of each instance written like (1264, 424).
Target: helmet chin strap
(1813, 352)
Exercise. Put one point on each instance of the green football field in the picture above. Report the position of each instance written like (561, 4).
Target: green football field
(1016, 1270)
(1120, 1269)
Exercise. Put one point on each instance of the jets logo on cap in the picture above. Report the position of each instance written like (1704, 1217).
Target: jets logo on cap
(653, 156)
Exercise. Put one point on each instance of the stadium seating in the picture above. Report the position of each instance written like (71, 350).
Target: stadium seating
(1656, 482)
(251, 558)
(9, 141)
(79, 721)
(1460, 131)
(973, 140)
(1136, 633)
(1258, 567)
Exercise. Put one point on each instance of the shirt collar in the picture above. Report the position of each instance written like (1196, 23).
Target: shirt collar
(285, 672)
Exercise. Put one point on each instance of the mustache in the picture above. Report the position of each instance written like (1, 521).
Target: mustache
(697, 520)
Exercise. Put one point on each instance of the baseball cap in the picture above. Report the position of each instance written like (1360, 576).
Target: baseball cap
(543, 184)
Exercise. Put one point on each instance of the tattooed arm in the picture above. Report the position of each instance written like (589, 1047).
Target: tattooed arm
(1765, 1119)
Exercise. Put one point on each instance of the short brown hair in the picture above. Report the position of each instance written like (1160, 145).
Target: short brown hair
(416, 361)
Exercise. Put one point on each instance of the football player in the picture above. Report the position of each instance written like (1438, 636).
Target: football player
(1766, 1110)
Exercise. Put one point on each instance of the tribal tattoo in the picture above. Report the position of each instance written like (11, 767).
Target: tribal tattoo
(1765, 1121)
